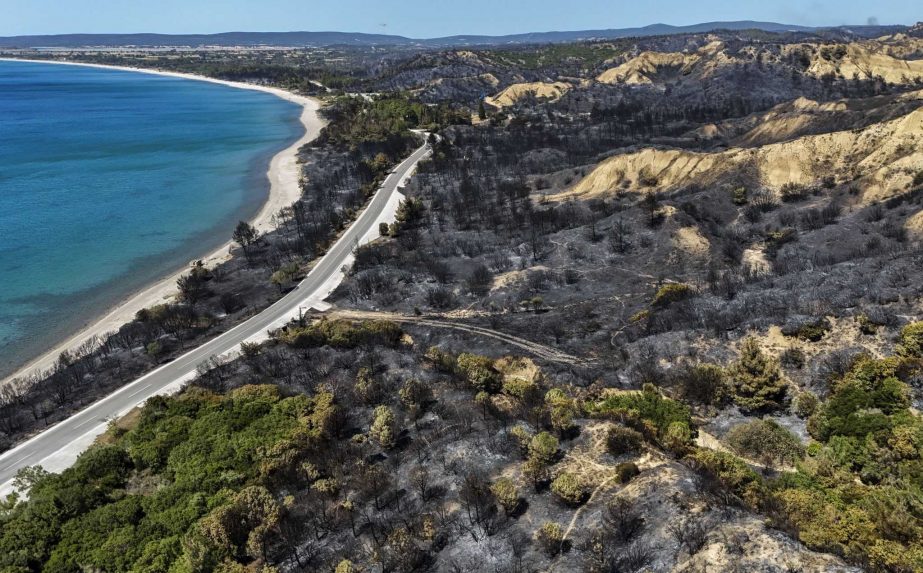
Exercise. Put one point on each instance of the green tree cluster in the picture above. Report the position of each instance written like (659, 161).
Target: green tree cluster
(658, 418)
(342, 334)
(213, 459)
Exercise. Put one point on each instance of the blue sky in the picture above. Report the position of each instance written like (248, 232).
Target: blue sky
(425, 18)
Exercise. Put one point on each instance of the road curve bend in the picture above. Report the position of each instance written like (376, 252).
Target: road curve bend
(58, 447)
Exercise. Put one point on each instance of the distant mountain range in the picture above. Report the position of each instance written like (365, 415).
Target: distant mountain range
(319, 39)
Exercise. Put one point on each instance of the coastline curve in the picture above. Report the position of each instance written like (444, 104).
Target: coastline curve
(284, 190)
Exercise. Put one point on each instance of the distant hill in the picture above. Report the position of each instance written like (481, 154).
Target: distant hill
(319, 39)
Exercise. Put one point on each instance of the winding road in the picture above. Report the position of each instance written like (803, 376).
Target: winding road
(58, 447)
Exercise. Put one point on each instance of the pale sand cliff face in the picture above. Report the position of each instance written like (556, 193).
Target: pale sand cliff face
(804, 116)
(646, 66)
(651, 67)
(914, 226)
(512, 94)
(867, 61)
(896, 60)
(880, 160)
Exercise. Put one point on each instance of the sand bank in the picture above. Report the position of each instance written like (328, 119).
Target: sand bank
(284, 177)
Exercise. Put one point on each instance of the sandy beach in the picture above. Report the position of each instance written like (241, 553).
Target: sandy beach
(284, 189)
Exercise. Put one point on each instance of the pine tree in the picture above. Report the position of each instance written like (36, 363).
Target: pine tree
(757, 380)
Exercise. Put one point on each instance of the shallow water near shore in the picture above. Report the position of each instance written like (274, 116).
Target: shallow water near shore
(110, 180)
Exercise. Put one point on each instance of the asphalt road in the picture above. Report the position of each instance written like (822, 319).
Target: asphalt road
(57, 447)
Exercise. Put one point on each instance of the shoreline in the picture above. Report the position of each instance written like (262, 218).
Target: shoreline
(284, 177)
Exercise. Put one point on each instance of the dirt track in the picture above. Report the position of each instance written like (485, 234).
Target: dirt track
(539, 350)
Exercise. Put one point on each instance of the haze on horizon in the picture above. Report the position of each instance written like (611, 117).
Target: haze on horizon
(423, 18)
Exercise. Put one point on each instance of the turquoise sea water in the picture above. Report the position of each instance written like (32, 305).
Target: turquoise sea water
(110, 180)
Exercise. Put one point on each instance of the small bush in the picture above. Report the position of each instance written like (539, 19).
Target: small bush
(778, 239)
(809, 332)
(480, 280)
(623, 519)
(805, 404)
(567, 487)
(792, 192)
(739, 196)
(647, 178)
(383, 428)
(672, 292)
(765, 441)
(730, 473)
(677, 438)
(911, 341)
(506, 493)
(792, 358)
(440, 298)
(626, 471)
(524, 390)
(550, 537)
(689, 533)
(647, 411)
(479, 371)
(544, 448)
(621, 440)
(522, 437)
(703, 383)
(443, 361)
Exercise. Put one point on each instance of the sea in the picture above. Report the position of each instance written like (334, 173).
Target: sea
(110, 180)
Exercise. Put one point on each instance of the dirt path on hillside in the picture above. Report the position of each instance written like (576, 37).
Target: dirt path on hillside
(540, 350)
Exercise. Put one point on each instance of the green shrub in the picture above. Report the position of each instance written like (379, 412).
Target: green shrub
(739, 196)
(550, 537)
(792, 357)
(523, 439)
(911, 341)
(810, 332)
(342, 334)
(856, 410)
(199, 459)
(479, 371)
(866, 325)
(703, 383)
(805, 404)
(626, 471)
(732, 473)
(791, 192)
(621, 440)
(561, 409)
(672, 292)
(383, 429)
(154, 349)
(567, 487)
(443, 361)
(522, 389)
(506, 493)
(678, 437)
(777, 239)
(765, 441)
(648, 411)
(543, 448)
(857, 493)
